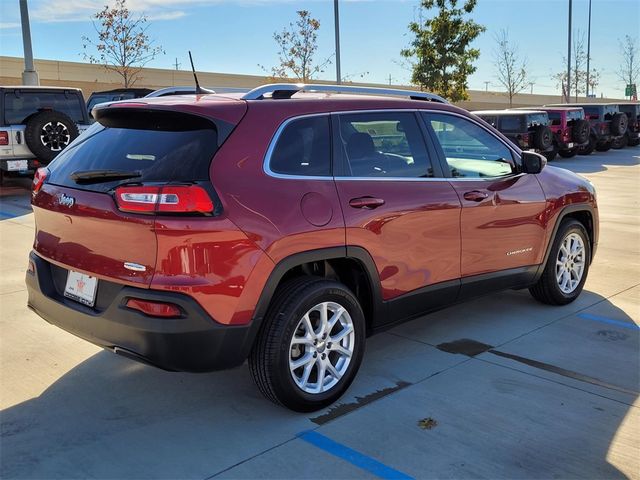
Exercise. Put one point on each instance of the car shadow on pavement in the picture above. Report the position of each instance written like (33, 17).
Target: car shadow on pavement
(600, 161)
(111, 417)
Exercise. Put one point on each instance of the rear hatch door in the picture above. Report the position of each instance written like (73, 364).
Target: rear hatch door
(78, 224)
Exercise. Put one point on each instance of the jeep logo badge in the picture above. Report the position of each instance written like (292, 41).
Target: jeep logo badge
(66, 200)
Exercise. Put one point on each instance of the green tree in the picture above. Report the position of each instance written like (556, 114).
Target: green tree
(123, 45)
(440, 52)
(297, 46)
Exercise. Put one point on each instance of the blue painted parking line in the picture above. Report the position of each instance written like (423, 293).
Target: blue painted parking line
(358, 459)
(7, 215)
(610, 321)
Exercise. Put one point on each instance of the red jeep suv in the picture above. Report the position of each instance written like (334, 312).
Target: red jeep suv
(286, 225)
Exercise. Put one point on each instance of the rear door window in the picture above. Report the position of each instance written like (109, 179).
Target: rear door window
(19, 105)
(159, 146)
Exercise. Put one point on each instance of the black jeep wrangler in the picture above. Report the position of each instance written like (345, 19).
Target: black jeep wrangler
(528, 129)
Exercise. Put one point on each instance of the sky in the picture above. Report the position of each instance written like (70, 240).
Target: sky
(235, 36)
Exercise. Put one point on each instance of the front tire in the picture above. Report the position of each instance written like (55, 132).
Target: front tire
(310, 346)
(567, 266)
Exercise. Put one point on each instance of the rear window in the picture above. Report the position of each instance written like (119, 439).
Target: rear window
(574, 115)
(511, 123)
(19, 105)
(535, 120)
(555, 118)
(160, 146)
(593, 112)
(632, 111)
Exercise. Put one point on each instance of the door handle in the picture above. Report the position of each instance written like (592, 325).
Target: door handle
(366, 202)
(475, 196)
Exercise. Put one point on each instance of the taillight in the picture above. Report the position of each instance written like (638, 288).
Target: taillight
(525, 139)
(4, 138)
(164, 199)
(603, 128)
(38, 179)
(154, 309)
(566, 135)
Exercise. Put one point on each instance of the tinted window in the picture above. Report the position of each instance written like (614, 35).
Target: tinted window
(161, 146)
(470, 150)
(511, 123)
(574, 115)
(536, 119)
(20, 105)
(555, 118)
(383, 145)
(593, 112)
(303, 148)
(490, 119)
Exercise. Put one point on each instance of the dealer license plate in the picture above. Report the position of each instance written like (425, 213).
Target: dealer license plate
(17, 165)
(81, 288)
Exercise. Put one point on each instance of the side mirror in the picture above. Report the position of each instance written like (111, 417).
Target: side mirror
(532, 162)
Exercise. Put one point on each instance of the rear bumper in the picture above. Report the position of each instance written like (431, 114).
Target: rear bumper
(192, 343)
(32, 165)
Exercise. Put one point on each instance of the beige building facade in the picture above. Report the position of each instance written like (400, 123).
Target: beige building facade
(90, 78)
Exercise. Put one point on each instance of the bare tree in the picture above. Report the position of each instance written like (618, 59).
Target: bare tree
(630, 65)
(578, 71)
(297, 46)
(123, 45)
(511, 68)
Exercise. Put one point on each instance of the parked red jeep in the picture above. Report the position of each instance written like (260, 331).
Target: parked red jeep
(608, 125)
(570, 130)
(195, 232)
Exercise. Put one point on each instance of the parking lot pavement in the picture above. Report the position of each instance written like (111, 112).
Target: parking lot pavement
(532, 392)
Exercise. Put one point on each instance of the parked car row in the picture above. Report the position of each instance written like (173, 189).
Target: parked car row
(568, 129)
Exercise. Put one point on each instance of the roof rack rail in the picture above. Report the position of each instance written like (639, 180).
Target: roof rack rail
(287, 90)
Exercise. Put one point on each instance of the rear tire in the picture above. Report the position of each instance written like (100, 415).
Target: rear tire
(566, 269)
(286, 338)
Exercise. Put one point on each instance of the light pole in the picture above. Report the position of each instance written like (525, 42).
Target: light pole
(588, 48)
(336, 15)
(29, 76)
(569, 57)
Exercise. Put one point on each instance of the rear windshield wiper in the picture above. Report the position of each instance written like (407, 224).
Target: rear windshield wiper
(99, 176)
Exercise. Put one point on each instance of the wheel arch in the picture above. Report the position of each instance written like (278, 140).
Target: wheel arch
(352, 266)
(583, 213)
